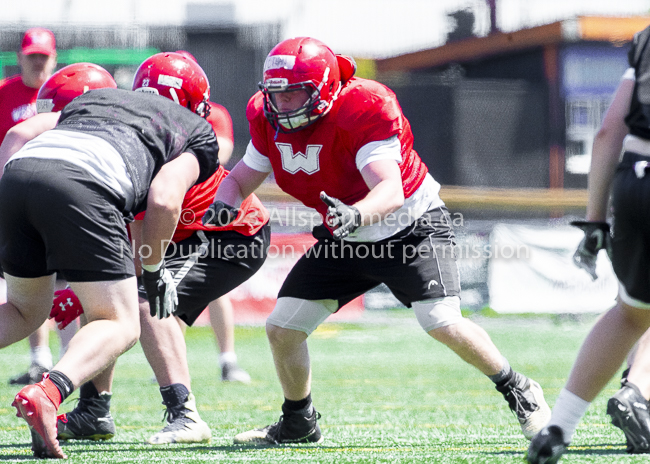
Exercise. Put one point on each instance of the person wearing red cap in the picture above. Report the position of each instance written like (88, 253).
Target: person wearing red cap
(37, 60)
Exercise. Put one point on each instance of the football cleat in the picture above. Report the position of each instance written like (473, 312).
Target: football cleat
(33, 375)
(547, 447)
(629, 412)
(184, 425)
(39, 412)
(624, 375)
(231, 372)
(293, 427)
(526, 399)
(90, 420)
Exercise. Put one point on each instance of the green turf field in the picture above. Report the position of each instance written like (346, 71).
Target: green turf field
(387, 392)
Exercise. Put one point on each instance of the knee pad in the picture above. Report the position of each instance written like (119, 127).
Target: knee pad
(437, 312)
(302, 315)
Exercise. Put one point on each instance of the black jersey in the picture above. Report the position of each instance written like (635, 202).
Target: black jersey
(147, 130)
(638, 119)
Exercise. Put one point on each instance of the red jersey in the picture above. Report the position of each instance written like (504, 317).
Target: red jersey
(253, 214)
(322, 157)
(220, 120)
(252, 217)
(17, 103)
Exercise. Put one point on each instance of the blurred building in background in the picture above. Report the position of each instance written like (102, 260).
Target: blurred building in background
(517, 109)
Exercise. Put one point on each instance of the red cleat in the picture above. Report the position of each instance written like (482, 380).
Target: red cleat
(39, 412)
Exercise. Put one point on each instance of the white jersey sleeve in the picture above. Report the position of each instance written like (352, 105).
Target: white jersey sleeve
(255, 160)
(381, 150)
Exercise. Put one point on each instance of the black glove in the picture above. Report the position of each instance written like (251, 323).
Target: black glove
(596, 238)
(219, 214)
(342, 218)
(161, 292)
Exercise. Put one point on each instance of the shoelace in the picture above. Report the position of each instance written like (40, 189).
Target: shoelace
(517, 403)
(175, 418)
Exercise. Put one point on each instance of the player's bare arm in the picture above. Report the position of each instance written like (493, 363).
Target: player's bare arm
(22, 133)
(164, 203)
(239, 184)
(225, 149)
(607, 150)
(384, 179)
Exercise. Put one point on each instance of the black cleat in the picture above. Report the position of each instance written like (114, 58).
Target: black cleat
(629, 412)
(293, 427)
(526, 399)
(90, 420)
(33, 375)
(547, 447)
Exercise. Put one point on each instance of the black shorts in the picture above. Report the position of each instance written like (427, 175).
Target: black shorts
(416, 264)
(56, 217)
(631, 231)
(208, 265)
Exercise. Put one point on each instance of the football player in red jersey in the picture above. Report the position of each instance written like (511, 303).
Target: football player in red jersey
(202, 269)
(341, 145)
(221, 309)
(37, 60)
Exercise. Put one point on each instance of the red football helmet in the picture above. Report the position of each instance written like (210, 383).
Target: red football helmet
(187, 54)
(176, 77)
(70, 82)
(304, 65)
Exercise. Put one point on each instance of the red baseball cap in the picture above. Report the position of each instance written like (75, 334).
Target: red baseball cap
(38, 40)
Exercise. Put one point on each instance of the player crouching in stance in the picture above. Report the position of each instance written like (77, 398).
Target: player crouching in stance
(202, 270)
(341, 145)
(65, 198)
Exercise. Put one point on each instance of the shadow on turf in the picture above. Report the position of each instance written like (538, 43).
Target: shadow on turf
(117, 447)
(602, 449)
(14, 457)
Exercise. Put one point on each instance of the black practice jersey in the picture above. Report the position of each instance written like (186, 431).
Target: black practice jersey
(638, 119)
(147, 130)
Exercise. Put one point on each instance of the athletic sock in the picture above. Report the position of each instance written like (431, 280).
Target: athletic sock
(88, 390)
(63, 385)
(227, 357)
(290, 405)
(504, 375)
(42, 356)
(174, 394)
(567, 413)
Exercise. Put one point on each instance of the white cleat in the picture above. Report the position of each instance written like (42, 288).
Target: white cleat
(526, 399)
(184, 425)
(231, 372)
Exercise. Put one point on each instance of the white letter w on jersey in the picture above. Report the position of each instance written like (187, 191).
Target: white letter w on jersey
(299, 162)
